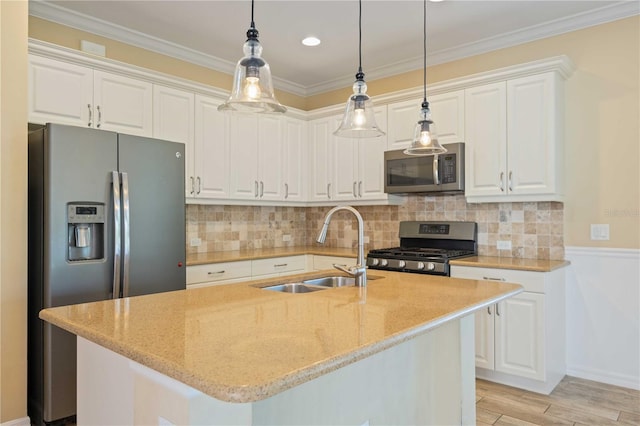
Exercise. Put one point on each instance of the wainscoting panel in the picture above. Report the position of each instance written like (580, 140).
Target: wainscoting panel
(603, 315)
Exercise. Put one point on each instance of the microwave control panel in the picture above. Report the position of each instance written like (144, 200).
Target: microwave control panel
(447, 168)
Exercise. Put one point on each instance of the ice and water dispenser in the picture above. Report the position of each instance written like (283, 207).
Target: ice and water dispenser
(85, 231)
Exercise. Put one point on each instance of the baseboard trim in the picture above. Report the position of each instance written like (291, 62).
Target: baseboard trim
(604, 377)
(25, 421)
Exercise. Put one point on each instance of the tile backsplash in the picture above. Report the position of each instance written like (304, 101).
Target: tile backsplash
(534, 229)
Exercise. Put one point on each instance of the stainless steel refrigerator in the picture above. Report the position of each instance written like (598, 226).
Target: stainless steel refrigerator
(106, 220)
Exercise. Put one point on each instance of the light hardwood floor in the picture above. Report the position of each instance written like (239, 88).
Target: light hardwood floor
(574, 402)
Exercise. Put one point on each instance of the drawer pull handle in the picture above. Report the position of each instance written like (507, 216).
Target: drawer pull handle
(493, 279)
(280, 265)
(216, 273)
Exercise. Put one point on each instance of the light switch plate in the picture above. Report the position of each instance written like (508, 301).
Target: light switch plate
(600, 231)
(286, 237)
(195, 242)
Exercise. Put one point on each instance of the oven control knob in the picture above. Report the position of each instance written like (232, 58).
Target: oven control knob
(431, 266)
(402, 264)
(373, 262)
(420, 266)
(383, 262)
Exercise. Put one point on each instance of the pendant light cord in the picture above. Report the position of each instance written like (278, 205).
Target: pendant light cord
(424, 51)
(360, 40)
(253, 25)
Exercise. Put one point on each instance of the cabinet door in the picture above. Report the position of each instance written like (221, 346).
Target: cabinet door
(532, 154)
(173, 119)
(486, 146)
(270, 157)
(447, 111)
(320, 149)
(485, 338)
(60, 92)
(519, 328)
(123, 104)
(371, 162)
(402, 118)
(211, 153)
(244, 147)
(344, 161)
(294, 160)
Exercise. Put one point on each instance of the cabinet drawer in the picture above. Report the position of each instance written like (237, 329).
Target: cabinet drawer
(531, 281)
(326, 262)
(218, 271)
(278, 265)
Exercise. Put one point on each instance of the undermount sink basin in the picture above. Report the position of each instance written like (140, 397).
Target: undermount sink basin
(315, 284)
(294, 288)
(332, 281)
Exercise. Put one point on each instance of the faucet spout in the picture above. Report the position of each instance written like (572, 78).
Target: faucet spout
(359, 271)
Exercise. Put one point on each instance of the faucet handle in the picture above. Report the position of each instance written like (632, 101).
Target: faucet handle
(344, 268)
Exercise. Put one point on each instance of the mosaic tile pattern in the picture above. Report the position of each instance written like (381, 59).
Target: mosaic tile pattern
(534, 229)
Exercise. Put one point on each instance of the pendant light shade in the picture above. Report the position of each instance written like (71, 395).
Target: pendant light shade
(359, 120)
(252, 89)
(425, 137)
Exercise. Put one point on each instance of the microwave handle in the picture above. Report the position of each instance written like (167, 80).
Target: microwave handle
(436, 178)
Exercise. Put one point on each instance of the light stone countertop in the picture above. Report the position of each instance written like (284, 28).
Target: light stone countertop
(534, 265)
(266, 253)
(239, 343)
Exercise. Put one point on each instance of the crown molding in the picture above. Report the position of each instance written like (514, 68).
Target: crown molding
(54, 13)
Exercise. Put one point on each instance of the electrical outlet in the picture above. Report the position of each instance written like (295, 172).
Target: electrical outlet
(366, 239)
(600, 231)
(195, 242)
(504, 245)
(286, 237)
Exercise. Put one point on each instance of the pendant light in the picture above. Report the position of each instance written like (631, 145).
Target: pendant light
(425, 138)
(252, 89)
(359, 120)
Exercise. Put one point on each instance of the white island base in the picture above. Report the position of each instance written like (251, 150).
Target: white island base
(427, 380)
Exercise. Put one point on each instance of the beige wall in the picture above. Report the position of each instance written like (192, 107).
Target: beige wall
(602, 109)
(13, 210)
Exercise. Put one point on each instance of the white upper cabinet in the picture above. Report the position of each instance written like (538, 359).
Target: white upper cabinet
(295, 159)
(447, 112)
(271, 157)
(174, 120)
(60, 92)
(211, 154)
(346, 169)
(513, 131)
(320, 156)
(256, 156)
(122, 104)
(65, 93)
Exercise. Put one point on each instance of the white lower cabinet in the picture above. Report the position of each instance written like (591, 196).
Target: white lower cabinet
(521, 340)
(218, 273)
(245, 270)
(327, 262)
(278, 266)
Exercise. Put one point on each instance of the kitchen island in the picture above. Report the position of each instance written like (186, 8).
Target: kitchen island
(400, 351)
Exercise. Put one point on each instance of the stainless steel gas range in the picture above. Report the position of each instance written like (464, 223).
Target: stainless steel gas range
(427, 247)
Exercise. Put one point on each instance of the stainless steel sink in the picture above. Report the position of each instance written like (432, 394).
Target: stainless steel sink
(332, 281)
(294, 288)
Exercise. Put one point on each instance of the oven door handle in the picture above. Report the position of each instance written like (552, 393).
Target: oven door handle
(436, 178)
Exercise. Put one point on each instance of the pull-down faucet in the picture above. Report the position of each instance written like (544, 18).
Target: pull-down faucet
(359, 271)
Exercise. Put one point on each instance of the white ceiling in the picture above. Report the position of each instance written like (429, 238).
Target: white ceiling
(211, 33)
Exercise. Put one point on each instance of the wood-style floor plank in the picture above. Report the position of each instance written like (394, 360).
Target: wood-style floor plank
(574, 402)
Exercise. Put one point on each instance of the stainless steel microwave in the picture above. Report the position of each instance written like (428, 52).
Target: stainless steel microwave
(442, 173)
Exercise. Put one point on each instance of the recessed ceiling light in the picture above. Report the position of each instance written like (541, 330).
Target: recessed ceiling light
(311, 41)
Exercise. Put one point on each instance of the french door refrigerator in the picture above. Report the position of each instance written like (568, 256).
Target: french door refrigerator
(106, 220)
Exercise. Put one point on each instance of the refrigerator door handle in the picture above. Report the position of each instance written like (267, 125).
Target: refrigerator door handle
(116, 234)
(126, 231)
